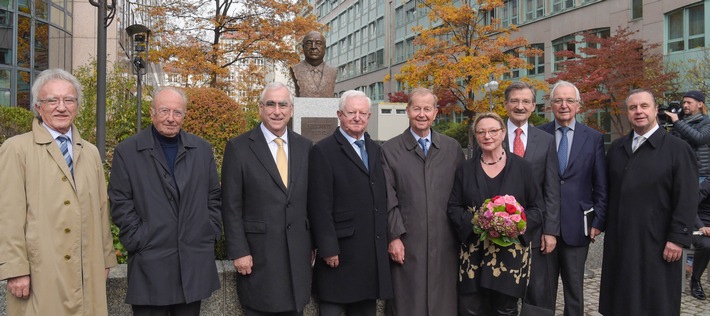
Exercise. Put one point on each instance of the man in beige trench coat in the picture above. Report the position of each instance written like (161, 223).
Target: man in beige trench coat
(56, 246)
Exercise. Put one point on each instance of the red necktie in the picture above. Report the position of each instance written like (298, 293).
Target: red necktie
(518, 147)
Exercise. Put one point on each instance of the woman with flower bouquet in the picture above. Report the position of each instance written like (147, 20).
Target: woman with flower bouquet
(493, 207)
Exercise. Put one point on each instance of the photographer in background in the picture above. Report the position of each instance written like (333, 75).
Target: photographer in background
(694, 128)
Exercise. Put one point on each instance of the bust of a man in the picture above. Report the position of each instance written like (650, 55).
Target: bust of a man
(312, 77)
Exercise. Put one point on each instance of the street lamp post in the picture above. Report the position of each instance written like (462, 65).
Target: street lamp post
(139, 40)
(106, 13)
(491, 86)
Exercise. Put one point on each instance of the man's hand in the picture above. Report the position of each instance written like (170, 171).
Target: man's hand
(332, 262)
(548, 243)
(243, 265)
(19, 286)
(107, 270)
(594, 233)
(396, 250)
(672, 252)
(705, 231)
(672, 116)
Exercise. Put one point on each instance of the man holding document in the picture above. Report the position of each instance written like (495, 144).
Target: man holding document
(582, 172)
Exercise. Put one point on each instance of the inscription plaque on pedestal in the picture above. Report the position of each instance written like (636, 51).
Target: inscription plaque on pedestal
(317, 128)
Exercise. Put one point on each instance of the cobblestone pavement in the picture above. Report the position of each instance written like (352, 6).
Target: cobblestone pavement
(690, 306)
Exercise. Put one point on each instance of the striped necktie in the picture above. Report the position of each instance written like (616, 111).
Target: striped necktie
(64, 148)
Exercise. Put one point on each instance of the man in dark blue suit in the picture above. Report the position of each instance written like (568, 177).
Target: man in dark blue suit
(582, 176)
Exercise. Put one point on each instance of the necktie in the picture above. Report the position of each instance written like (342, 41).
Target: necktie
(562, 149)
(639, 141)
(518, 147)
(422, 142)
(64, 148)
(363, 152)
(281, 161)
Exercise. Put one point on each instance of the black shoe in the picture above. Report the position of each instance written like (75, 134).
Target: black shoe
(696, 290)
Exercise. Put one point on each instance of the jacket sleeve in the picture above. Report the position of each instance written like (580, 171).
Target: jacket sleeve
(599, 184)
(457, 209)
(13, 211)
(551, 193)
(695, 135)
(684, 197)
(107, 238)
(214, 204)
(233, 203)
(123, 210)
(395, 223)
(320, 203)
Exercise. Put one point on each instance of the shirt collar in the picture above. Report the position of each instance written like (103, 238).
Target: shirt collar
(56, 134)
(512, 127)
(571, 125)
(417, 137)
(647, 134)
(270, 136)
(350, 139)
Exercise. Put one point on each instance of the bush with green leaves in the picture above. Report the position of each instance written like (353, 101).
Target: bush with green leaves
(14, 121)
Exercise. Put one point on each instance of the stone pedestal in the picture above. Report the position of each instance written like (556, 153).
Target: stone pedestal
(315, 118)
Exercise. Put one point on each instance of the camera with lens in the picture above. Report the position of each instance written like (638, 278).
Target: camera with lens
(673, 107)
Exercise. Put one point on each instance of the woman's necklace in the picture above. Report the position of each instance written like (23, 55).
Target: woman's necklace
(495, 162)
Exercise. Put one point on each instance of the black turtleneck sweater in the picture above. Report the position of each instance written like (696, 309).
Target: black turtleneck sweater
(170, 148)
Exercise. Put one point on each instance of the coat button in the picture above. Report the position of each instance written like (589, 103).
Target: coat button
(378, 237)
(67, 257)
(376, 210)
(67, 230)
(66, 202)
(288, 226)
(64, 178)
(562, 181)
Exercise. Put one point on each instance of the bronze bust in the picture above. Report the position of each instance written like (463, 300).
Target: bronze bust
(312, 77)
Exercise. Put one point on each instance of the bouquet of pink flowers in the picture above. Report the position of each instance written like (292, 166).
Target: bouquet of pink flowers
(500, 219)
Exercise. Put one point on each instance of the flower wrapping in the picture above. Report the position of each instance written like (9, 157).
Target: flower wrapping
(501, 219)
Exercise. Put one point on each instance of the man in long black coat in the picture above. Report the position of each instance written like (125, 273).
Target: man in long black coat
(347, 207)
(165, 198)
(653, 198)
(264, 210)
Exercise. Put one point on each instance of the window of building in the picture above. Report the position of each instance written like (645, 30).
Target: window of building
(400, 111)
(537, 62)
(636, 9)
(510, 13)
(515, 72)
(686, 28)
(399, 52)
(534, 9)
(377, 91)
(386, 111)
(560, 5)
(566, 43)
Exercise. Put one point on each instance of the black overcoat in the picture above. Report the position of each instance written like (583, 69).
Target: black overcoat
(653, 198)
(347, 207)
(265, 219)
(169, 232)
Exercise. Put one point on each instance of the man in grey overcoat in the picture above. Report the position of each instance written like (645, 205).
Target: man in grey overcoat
(165, 198)
(419, 168)
(265, 182)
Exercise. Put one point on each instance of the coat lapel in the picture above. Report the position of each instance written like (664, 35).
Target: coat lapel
(350, 151)
(579, 140)
(42, 136)
(410, 143)
(261, 150)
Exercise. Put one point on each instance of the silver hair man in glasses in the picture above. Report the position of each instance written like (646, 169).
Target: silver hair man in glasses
(165, 198)
(56, 247)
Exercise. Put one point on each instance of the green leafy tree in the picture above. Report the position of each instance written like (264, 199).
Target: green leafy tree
(696, 72)
(14, 121)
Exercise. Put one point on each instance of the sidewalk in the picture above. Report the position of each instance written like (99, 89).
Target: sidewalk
(690, 306)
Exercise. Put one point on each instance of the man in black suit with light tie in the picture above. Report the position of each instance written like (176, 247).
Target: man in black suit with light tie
(264, 188)
(347, 206)
(538, 148)
(582, 177)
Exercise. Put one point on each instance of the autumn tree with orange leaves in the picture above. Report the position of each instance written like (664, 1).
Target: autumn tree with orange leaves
(464, 46)
(606, 69)
(199, 40)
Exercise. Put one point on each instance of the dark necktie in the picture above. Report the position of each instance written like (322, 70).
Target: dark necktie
(64, 148)
(562, 149)
(363, 152)
(422, 142)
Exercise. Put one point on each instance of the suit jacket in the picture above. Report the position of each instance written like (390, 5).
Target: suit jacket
(347, 207)
(583, 184)
(541, 152)
(306, 87)
(265, 219)
(169, 231)
(55, 226)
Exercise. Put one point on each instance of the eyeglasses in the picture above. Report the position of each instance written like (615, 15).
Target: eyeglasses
(353, 114)
(568, 101)
(165, 112)
(492, 132)
(271, 105)
(68, 101)
(517, 101)
(318, 44)
(426, 109)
